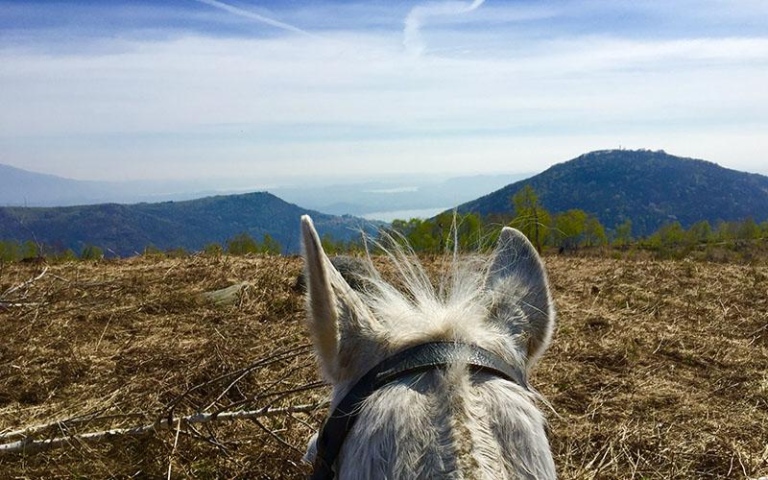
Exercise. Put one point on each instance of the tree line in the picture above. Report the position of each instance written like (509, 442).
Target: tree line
(30, 251)
(568, 231)
(563, 232)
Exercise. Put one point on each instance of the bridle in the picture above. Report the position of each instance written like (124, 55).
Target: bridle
(421, 358)
(424, 357)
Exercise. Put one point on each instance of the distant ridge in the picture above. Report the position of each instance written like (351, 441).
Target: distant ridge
(650, 188)
(23, 188)
(125, 230)
(341, 196)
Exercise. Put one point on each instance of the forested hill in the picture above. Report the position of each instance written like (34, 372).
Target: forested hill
(124, 230)
(650, 188)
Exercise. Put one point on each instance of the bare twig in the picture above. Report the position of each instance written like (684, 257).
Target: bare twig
(173, 452)
(275, 436)
(277, 357)
(281, 394)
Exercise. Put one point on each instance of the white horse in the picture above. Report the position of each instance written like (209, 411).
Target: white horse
(431, 382)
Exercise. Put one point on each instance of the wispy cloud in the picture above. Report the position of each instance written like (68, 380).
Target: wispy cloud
(418, 16)
(254, 16)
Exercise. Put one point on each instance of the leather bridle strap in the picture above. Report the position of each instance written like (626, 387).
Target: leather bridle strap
(420, 358)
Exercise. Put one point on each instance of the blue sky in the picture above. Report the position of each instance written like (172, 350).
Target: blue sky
(202, 89)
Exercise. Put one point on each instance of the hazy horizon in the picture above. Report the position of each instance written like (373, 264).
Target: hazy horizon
(203, 90)
(260, 183)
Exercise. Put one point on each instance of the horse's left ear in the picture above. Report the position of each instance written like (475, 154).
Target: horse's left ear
(334, 309)
(323, 318)
(522, 300)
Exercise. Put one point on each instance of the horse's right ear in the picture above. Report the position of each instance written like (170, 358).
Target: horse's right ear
(522, 300)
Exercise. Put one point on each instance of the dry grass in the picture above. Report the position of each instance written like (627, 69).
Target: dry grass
(658, 369)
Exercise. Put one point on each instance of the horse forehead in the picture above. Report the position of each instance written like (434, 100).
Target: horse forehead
(457, 418)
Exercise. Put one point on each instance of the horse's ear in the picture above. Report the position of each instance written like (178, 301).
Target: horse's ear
(522, 300)
(323, 318)
(329, 298)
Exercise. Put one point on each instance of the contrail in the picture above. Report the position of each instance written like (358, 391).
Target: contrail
(255, 16)
(415, 19)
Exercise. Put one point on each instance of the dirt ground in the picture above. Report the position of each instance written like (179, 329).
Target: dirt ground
(658, 369)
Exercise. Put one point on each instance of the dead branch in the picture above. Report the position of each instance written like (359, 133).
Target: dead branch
(30, 444)
(97, 416)
(6, 303)
(10, 305)
(23, 284)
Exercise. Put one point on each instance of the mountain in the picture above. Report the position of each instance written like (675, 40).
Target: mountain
(20, 187)
(124, 230)
(31, 189)
(649, 188)
(376, 199)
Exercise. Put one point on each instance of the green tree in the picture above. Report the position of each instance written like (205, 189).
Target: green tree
(668, 236)
(67, 255)
(91, 252)
(422, 235)
(213, 250)
(30, 249)
(399, 227)
(530, 217)
(748, 230)
(153, 251)
(269, 245)
(446, 231)
(726, 231)
(330, 245)
(623, 234)
(568, 228)
(10, 251)
(469, 231)
(177, 252)
(355, 245)
(242, 244)
(594, 233)
(672, 234)
(698, 233)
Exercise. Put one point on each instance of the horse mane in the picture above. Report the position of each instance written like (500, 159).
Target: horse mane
(415, 307)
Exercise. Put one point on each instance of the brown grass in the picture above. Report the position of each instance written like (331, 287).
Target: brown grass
(658, 369)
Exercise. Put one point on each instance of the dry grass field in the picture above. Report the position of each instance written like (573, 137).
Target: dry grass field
(658, 369)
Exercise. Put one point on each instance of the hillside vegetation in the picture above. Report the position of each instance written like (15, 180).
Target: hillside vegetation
(125, 230)
(600, 198)
(648, 188)
(657, 369)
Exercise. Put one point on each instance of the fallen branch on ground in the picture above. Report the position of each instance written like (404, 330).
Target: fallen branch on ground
(23, 284)
(6, 303)
(31, 444)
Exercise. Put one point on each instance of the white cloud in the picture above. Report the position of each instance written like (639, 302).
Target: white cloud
(355, 100)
